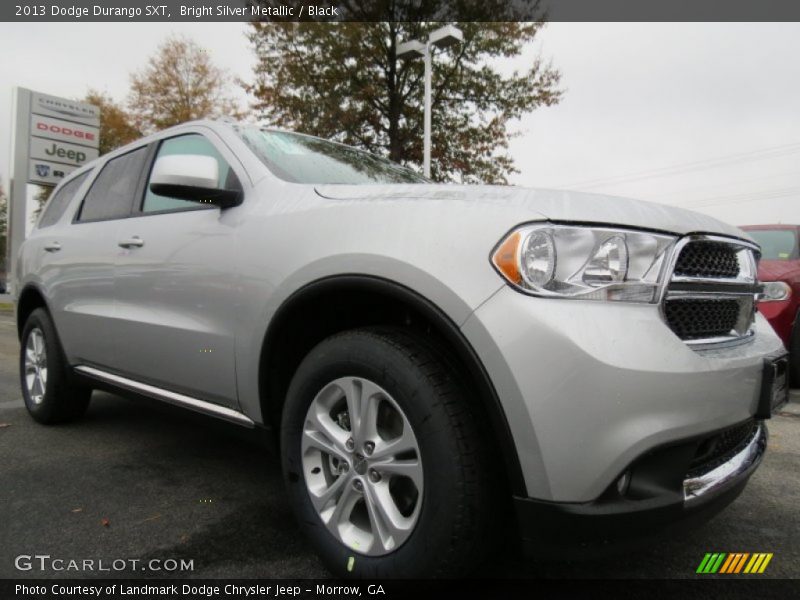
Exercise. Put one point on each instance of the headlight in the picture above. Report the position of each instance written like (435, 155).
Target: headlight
(775, 291)
(591, 263)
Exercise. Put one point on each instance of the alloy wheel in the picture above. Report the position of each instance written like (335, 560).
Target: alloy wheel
(36, 365)
(362, 466)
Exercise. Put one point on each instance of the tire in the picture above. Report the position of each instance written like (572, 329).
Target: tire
(448, 527)
(41, 360)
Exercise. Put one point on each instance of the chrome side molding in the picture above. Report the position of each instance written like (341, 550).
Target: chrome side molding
(729, 473)
(201, 406)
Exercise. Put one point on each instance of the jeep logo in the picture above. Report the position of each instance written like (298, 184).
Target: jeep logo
(58, 152)
(78, 134)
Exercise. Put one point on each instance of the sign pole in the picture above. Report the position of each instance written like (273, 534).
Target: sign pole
(18, 193)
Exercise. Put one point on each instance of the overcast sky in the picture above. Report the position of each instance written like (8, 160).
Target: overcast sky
(701, 115)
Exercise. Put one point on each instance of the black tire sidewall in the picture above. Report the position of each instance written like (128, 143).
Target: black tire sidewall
(365, 356)
(60, 400)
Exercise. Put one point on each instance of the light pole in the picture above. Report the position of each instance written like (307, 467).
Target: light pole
(442, 37)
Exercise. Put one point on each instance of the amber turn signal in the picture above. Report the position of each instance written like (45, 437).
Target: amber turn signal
(505, 258)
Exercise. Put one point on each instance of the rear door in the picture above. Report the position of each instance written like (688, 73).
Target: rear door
(50, 257)
(81, 253)
(176, 287)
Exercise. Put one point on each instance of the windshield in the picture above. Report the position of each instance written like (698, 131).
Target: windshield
(306, 159)
(776, 244)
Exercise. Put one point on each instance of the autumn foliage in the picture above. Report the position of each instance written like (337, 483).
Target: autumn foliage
(179, 83)
(343, 81)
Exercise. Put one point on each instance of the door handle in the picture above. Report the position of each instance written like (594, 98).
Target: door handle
(134, 242)
(52, 247)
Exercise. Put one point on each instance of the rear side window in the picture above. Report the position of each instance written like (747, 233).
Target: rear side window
(60, 200)
(112, 193)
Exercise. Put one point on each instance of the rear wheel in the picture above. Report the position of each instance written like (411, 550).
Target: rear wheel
(383, 460)
(50, 394)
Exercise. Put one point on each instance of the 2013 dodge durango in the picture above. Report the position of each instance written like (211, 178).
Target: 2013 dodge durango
(429, 358)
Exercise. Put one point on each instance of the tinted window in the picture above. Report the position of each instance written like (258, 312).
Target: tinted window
(60, 200)
(307, 159)
(776, 244)
(111, 194)
(192, 144)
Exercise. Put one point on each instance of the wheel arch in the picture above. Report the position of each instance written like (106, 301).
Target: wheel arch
(29, 299)
(337, 303)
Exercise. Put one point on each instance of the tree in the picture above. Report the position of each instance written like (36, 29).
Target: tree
(116, 124)
(179, 84)
(40, 197)
(344, 81)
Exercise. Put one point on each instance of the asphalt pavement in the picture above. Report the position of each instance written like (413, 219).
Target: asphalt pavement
(136, 481)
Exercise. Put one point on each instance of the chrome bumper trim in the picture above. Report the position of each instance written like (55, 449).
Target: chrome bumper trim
(728, 474)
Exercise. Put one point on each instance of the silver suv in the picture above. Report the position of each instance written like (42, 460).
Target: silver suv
(434, 361)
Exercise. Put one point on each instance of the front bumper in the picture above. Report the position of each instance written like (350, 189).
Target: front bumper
(665, 491)
(589, 387)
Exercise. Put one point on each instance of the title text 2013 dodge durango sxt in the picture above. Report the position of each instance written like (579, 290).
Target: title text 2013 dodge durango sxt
(427, 355)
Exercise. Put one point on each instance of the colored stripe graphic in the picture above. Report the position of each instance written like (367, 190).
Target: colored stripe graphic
(734, 562)
(717, 564)
(741, 562)
(732, 557)
(753, 562)
(758, 563)
(703, 563)
(764, 564)
(711, 562)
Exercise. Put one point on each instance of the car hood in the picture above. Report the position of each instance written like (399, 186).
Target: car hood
(779, 270)
(526, 204)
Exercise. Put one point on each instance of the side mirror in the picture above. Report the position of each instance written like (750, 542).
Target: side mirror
(191, 177)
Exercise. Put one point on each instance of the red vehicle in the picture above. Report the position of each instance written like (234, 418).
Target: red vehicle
(779, 270)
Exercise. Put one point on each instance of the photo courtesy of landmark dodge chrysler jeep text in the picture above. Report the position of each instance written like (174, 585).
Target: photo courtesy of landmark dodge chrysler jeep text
(429, 357)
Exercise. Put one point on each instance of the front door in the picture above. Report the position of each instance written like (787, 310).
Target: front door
(176, 289)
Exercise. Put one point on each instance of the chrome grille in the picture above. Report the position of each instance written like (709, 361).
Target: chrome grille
(696, 319)
(708, 259)
(710, 296)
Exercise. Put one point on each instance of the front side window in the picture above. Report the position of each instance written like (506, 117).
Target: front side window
(60, 200)
(776, 244)
(112, 193)
(192, 144)
(307, 159)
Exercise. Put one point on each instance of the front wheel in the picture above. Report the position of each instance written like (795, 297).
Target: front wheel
(383, 460)
(50, 394)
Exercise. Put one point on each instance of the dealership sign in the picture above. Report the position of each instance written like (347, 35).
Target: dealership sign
(62, 136)
(52, 137)
(63, 152)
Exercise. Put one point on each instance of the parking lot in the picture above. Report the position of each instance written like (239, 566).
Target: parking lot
(135, 481)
